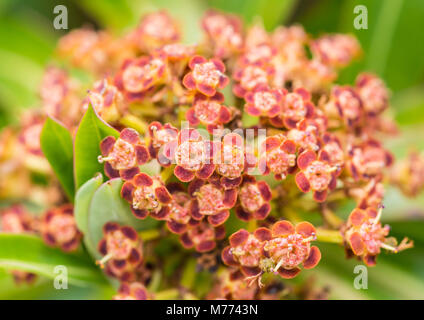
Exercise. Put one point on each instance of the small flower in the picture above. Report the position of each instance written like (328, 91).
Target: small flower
(106, 99)
(290, 247)
(206, 76)
(202, 236)
(305, 136)
(408, 174)
(334, 149)
(132, 291)
(263, 101)
(373, 93)
(176, 52)
(146, 195)
(251, 77)
(336, 50)
(29, 137)
(58, 228)
(260, 54)
(281, 249)
(368, 160)
(177, 212)
(224, 33)
(232, 160)
(122, 251)
(209, 111)
(348, 104)
(138, 76)
(193, 156)
(296, 106)
(212, 201)
(316, 174)
(15, 219)
(278, 155)
(254, 197)
(122, 156)
(365, 235)
(155, 30)
(159, 136)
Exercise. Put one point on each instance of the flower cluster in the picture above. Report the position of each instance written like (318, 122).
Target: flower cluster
(247, 131)
(365, 236)
(122, 251)
(58, 228)
(280, 249)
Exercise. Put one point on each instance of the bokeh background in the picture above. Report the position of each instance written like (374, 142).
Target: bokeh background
(393, 48)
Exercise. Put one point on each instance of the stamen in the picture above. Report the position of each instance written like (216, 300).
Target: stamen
(103, 260)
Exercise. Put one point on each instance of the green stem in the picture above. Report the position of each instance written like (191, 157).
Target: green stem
(330, 236)
(170, 294)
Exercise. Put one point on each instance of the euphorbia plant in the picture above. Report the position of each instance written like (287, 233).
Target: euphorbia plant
(165, 127)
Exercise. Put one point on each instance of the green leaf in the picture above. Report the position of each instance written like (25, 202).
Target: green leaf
(82, 202)
(29, 253)
(107, 205)
(91, 131)
(56, 143)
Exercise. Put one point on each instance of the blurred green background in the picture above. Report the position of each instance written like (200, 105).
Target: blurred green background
(393, 47)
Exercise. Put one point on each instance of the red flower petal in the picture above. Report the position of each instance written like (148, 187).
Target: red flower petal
(224, 115)
(228, 183)
(288, 274)
(313, 258)
(252, 110)
(320, 196)
(218, 219)
(110, 227)
(357, 217)
(206, 246)
(186, 241)
(140, 214)
(228, 258)
(230, 198)
(206, 89)
(188, 81)
(219, 65)
(265, 190)
(302, 182)
(176, 227)
(282, 228)
(238, 238)
(162, 195)
(196, 60)
(206, 171)
(142, 179)
(305, 159)
(106, 145)
(128, 174)
(129, 135)
(288, 146)
(306, 229)
(251, 271)
(142, 154)
(110, 172)
(127, 191)
(191, 117)
(262, 212)
(243, 215)
(370, 260)
(356, 243)
(129, 232)
(183, 174)
(263, 234)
